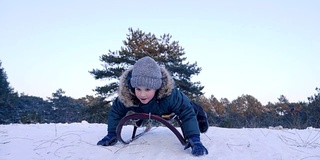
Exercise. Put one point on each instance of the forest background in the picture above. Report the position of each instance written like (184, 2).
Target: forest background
(245, 111)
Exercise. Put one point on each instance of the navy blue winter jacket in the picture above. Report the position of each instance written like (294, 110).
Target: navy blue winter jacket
(168, 99)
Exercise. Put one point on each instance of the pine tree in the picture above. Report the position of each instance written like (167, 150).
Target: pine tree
(313, 109)
(7, 95)
(139, 44)
(65, 108)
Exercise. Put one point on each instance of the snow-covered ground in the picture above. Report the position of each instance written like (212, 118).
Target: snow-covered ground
(78, 141)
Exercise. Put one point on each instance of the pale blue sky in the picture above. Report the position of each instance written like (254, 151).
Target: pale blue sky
(261, 48)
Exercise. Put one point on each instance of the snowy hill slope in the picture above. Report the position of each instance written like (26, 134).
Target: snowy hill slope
(78, 141)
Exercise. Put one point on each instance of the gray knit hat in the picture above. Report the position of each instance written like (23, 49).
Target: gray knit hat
(146, 73)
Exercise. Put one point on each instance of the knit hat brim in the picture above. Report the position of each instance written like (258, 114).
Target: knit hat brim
(148, 82)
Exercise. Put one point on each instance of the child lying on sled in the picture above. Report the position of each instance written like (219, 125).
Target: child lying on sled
(149, 88)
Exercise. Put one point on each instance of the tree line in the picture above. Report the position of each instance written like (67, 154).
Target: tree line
(245, 111)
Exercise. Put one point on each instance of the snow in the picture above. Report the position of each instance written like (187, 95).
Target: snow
(78, 141)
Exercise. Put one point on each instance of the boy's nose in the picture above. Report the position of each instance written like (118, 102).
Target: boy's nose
(143, 94)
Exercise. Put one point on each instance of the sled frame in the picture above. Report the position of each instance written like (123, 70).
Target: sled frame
(138, 118)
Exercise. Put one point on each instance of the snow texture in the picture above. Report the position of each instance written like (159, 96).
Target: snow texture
(78, 141)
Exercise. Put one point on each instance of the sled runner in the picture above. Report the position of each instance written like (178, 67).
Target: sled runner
(143, 122)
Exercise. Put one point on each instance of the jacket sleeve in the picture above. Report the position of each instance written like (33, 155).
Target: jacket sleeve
(116, 113)
(182, 107)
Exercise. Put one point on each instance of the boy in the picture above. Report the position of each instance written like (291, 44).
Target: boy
(148, 88)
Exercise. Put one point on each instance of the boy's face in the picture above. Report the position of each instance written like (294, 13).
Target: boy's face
(144, 94)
